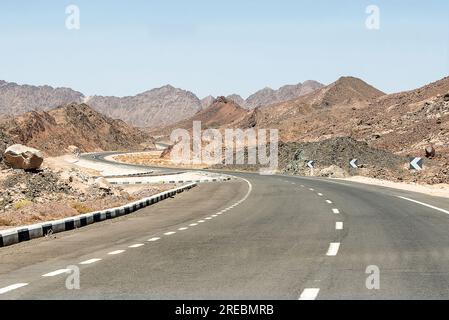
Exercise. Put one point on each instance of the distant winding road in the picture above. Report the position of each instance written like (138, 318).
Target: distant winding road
(258, 237)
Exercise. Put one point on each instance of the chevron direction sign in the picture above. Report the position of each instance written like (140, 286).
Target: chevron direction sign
(310, 163)
(354, 163)
(416, 164)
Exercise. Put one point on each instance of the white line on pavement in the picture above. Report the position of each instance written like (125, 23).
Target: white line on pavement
(201, 221)
(169, 233)
(12, 287)
(320, 194)
(425, 204)
(56, 272)
(137, 245)
(336, 211)
(90, 261)
(339, 225)
(154, 239)
(113, 253)
(183, 228)
(309, 294)
(333, 249)
(328, 201)
(193, 224)
(312, 189)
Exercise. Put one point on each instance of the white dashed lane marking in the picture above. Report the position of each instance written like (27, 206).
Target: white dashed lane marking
(201, 221)
(309, 294)
(183, 228)
(113, 253)
(328, 201)
(336, 211)
(320, 194)
(137, 245)
(154, 239)
(333, 249)
(208, 218)
(12, 287)
(90, 261)
(169, 233)
(312, 189)
(193, 224)
(56, 272)
(339, 225)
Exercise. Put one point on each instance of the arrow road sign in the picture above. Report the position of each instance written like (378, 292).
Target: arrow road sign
(416, 164)
(310, 164)
(353, 163)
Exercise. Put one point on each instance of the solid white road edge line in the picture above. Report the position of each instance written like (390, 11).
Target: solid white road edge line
(333, 249)
(425, 204)
(12, 287)
(309, 294)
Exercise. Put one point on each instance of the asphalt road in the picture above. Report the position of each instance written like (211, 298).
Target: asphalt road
(264, 237)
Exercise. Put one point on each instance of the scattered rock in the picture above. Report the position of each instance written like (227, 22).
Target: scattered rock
(19, 156)
(446, 97)
(74, 150)
(430, 152)
(333, 172)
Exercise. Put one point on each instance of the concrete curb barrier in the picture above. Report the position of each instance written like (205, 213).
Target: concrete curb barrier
(24, 233)
(165, 182)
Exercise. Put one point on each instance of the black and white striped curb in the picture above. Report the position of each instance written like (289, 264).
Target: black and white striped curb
(143, 174)
(165, 182)
(20, 234)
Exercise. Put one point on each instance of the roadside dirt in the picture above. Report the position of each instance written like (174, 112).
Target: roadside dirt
(59, 190)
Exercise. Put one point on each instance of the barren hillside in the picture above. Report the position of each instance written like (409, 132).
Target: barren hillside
(74, 124)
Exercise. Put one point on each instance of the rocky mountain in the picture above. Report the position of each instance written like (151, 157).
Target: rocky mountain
(268, 96)
(154, 108)
(237, 99)
(403, 123)
(17, 99)
(207, 101)
(352, 119)
(151, 109)
(222, 113)
(73, 124)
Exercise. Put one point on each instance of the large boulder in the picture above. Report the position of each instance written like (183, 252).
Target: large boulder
(19, 156)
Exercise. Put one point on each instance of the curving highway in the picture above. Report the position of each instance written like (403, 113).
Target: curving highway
(258, 237)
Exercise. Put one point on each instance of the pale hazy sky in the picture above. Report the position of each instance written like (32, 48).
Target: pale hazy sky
(222, 47)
